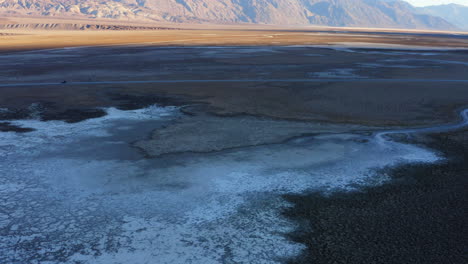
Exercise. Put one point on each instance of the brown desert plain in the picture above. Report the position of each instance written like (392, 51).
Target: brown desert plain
(358, 99)
(241, 89)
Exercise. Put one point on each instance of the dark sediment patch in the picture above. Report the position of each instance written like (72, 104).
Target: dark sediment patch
(73, 115)
(48, 110)
(14, 114)
(8, 127)
(458, 51)
(420, 217)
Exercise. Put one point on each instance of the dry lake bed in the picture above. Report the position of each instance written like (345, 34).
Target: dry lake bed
(233, 154)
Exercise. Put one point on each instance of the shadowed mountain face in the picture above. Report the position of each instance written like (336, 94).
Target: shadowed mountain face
(364, 13)
(455, 14)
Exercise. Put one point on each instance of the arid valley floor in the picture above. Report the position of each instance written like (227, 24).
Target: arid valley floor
(233, 146)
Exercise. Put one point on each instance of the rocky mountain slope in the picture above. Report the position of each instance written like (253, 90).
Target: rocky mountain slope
(367, 13)
(455, 14)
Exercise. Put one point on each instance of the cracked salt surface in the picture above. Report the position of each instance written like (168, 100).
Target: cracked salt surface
(77, 193)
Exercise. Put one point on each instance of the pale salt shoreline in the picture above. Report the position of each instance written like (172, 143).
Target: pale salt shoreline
(200, 208)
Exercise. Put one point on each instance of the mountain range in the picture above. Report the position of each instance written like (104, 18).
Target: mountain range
(453, 13)
(350, 13)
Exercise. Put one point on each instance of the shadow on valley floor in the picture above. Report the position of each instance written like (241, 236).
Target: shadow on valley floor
(420, 217)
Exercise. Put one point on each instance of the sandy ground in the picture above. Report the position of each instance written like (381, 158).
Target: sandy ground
(29, 36)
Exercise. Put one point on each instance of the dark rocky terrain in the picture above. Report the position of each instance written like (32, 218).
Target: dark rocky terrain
(421, 217)
(360, 13)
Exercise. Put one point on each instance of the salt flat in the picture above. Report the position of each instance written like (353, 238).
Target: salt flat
(76, 192)
(144, 153)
